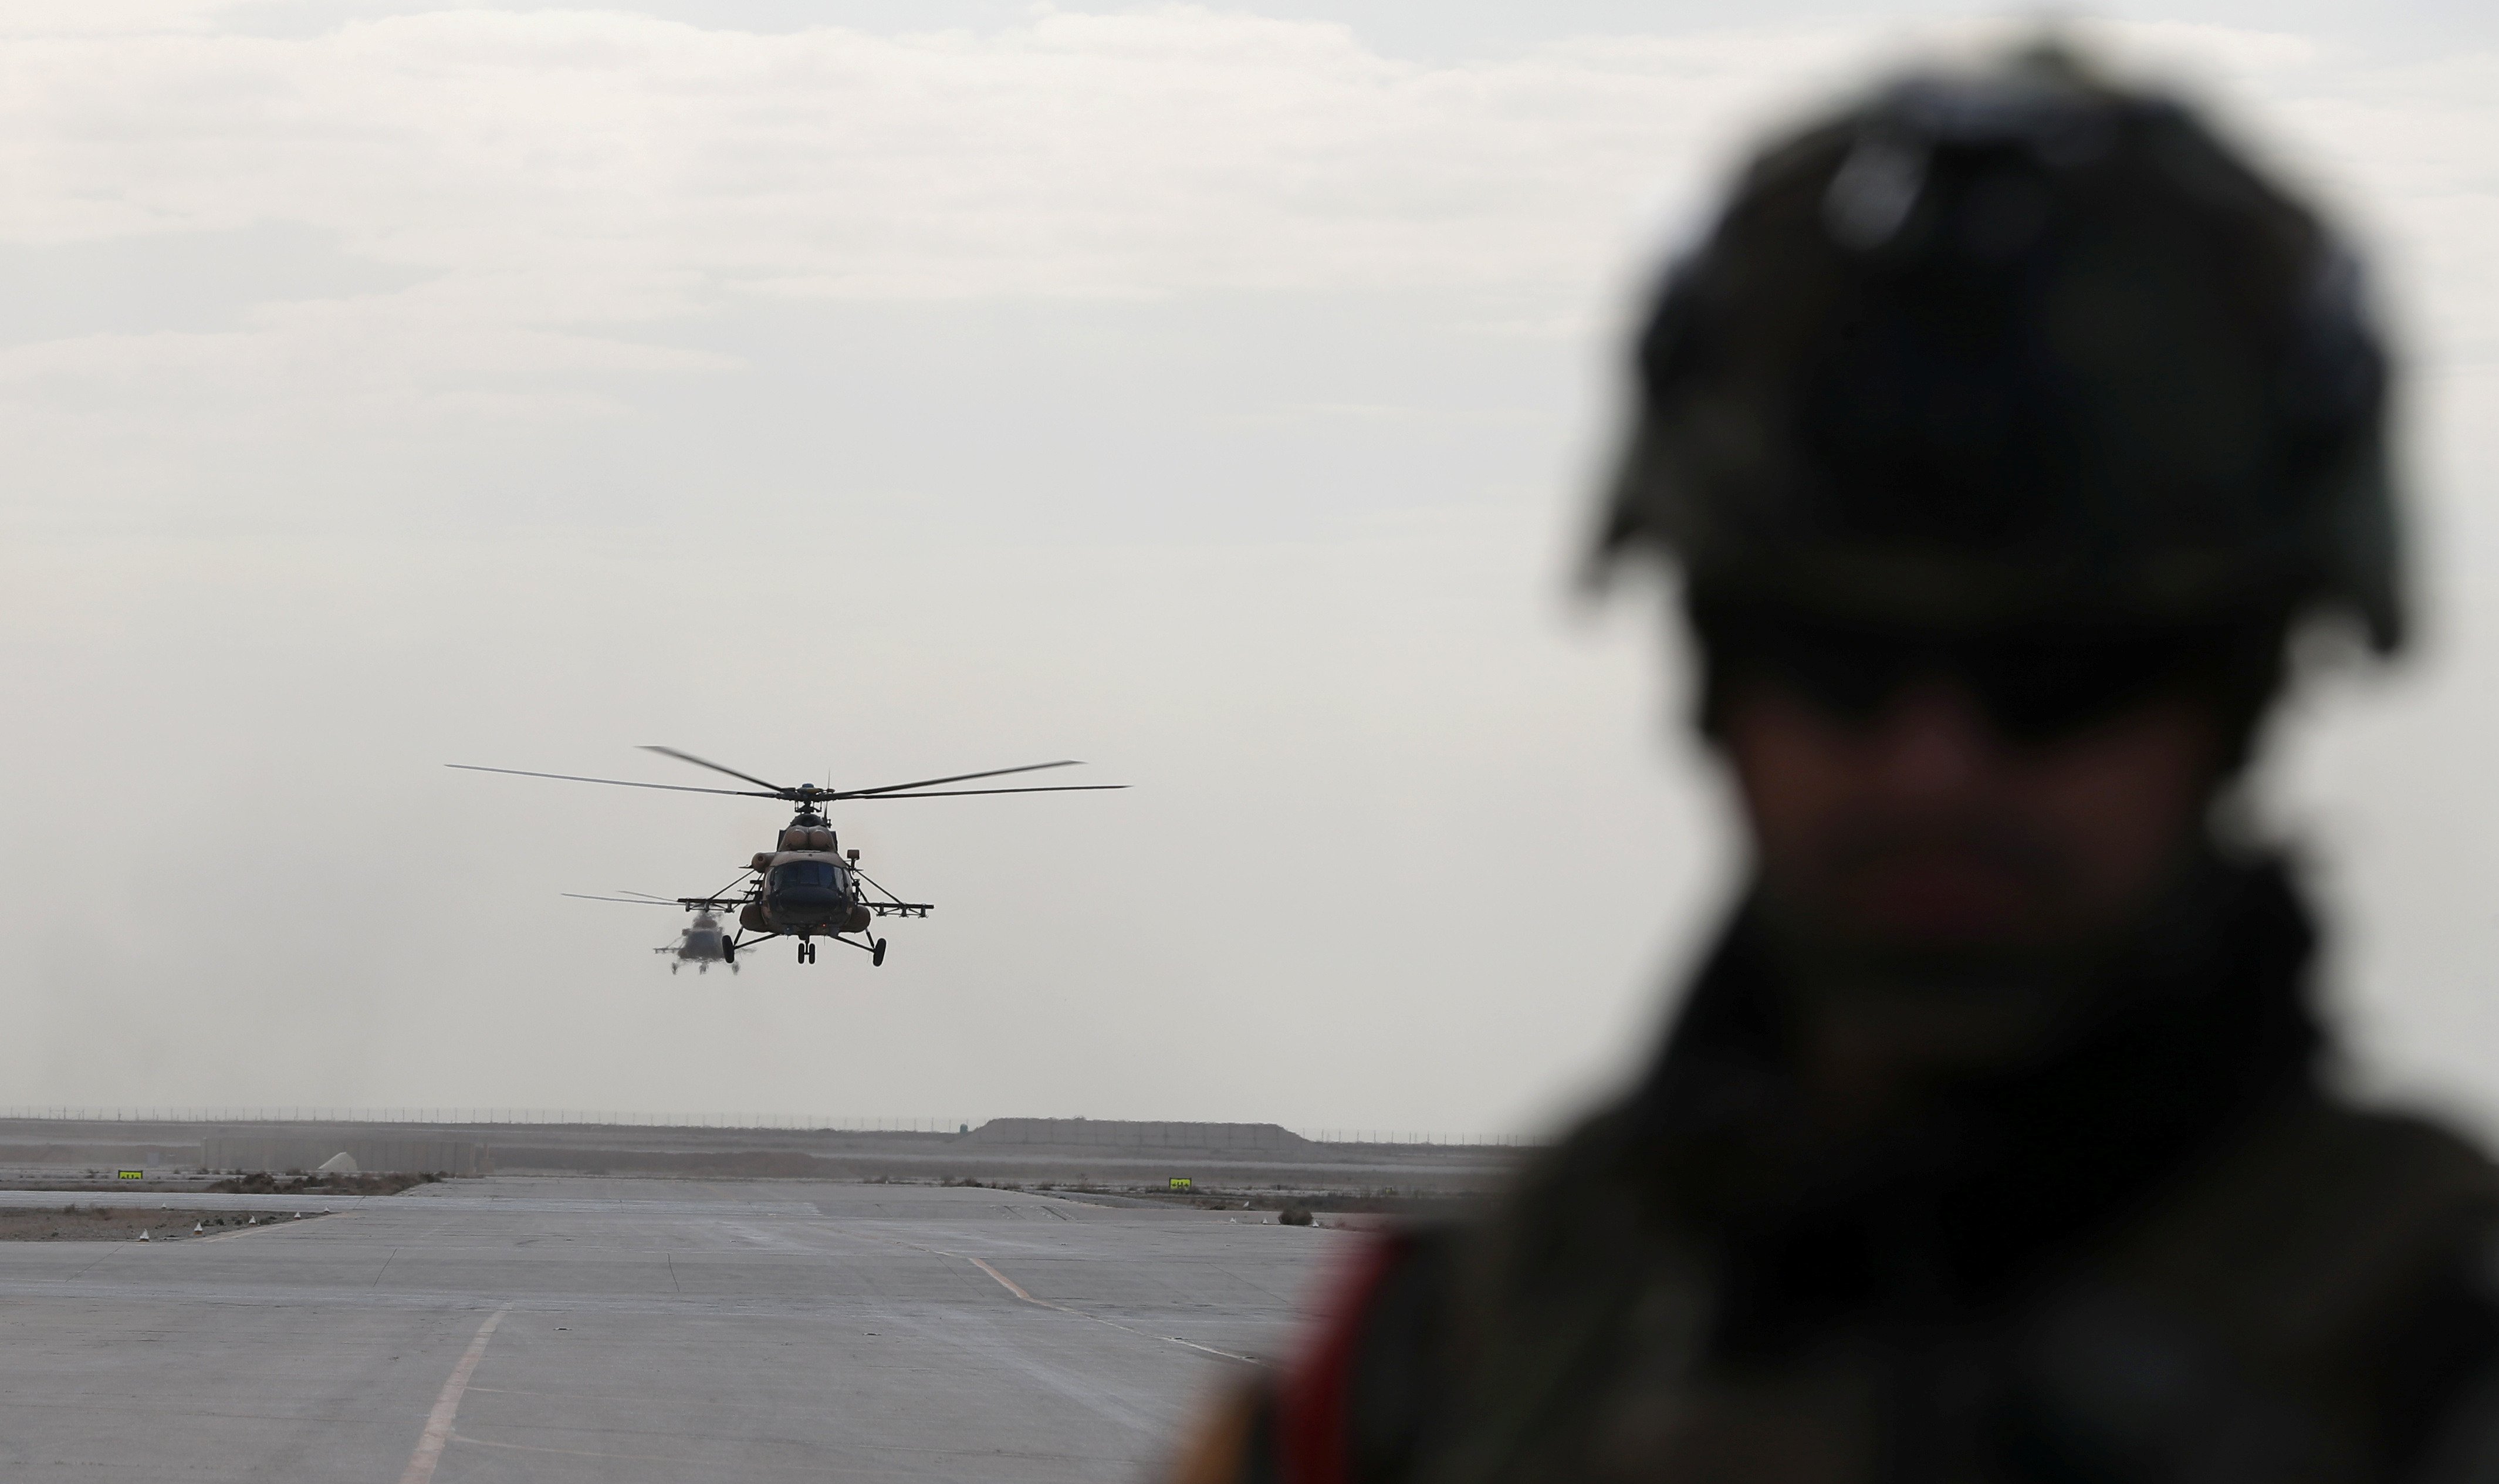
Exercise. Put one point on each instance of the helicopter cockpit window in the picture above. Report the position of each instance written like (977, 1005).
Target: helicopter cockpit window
(808, 876)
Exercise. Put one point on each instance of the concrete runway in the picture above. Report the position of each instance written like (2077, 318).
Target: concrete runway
(559, 1329)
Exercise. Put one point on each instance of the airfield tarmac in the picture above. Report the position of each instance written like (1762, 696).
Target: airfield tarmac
(549, 1330)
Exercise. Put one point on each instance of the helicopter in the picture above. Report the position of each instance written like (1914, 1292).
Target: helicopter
(807, 887)
(700, 943)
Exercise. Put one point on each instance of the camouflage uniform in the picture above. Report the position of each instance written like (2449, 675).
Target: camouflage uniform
(1986, 353)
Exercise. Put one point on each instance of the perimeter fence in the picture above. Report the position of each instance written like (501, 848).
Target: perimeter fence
(1410, 1137)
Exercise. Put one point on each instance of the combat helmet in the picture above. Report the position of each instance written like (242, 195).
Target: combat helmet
(2015, 343)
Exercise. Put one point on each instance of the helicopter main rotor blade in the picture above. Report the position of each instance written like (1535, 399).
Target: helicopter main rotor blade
(930, 783)
(778, 790)
(630, 901)
(970, 792)
(622, 782)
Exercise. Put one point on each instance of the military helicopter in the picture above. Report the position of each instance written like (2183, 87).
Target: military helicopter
(700, 943)
(807, 887)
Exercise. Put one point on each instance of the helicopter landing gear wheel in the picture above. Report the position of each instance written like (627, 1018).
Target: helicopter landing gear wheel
(806, 952)
(876, 958)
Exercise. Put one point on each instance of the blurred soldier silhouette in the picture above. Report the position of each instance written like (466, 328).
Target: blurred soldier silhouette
(2002, 431)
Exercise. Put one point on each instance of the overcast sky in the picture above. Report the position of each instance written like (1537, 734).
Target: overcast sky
(864, 391)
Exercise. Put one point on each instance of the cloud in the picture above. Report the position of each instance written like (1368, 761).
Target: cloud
(600, 168)
(603, 168)
(623, 165)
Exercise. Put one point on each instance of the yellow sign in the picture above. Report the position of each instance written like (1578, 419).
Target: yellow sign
(133, 1175)
(1180, 1183)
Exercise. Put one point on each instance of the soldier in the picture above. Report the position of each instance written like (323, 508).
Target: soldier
(2002, 431)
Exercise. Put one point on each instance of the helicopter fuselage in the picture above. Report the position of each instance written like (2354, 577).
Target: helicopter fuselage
(806, 888)
(699, 942)
(702, 944)
(804, 893)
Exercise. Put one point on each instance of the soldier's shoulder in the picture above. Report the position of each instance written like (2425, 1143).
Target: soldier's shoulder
(2320, 1184)
(2386, 1269)
(2341, 1257)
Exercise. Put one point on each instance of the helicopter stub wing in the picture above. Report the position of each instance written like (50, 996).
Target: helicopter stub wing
(905, 909)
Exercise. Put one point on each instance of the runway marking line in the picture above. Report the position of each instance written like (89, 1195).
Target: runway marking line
(446, 1406)
(1016, 1288)
(1011, 1285)
(271, 1225)
(1211, 1350)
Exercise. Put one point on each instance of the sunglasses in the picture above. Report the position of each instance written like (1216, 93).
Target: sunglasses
(2036, 683)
